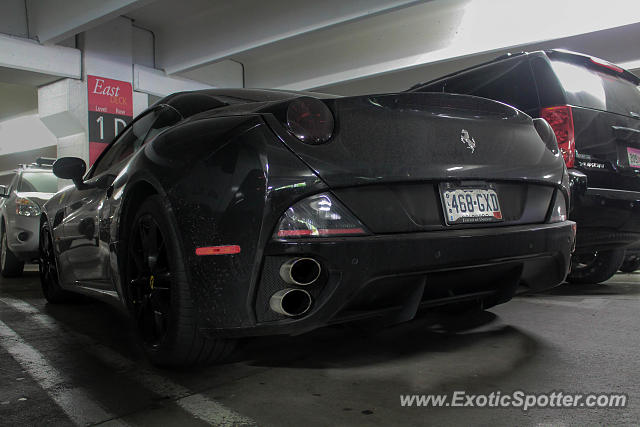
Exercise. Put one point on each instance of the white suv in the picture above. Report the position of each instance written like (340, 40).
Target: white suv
(20, 204)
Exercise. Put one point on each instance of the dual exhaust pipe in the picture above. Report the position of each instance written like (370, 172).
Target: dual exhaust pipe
(300, 271)
(293, 302)
(290, 302)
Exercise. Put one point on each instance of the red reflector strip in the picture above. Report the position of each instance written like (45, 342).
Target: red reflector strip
(218, 250)
(321, 232)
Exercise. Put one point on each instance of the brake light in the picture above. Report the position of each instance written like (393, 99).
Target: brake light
(606, 64)
(559, 209)
(310, 120)
(320, 232)
(561, 120)
(320, 215)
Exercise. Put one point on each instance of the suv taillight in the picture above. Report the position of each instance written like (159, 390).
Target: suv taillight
(606, 64)
(561, 120)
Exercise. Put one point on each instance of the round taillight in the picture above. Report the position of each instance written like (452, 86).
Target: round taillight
(310, 120)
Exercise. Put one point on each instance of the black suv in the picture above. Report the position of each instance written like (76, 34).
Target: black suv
(593, 107)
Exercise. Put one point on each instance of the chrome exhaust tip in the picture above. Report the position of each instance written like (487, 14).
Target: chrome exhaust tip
(290, 302)
(300, 271)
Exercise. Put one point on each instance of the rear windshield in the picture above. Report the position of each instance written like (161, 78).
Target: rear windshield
(590, 88)
(509, 81)
(38, 182)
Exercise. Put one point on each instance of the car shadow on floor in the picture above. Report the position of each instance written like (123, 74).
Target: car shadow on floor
(97, 320)
(350, 345)
(347, 346)
(27, 283)
(620, 285)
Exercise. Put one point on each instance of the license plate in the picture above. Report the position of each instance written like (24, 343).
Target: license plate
(634, 157)
(464, 205)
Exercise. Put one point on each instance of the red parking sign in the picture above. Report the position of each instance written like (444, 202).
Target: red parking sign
(110, 110)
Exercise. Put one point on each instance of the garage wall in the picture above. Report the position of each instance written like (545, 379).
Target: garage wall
(16, 100)
(13, 19)
(20, 127)
(22, 140)
(143, 48)
(24, 133)
(9, 162)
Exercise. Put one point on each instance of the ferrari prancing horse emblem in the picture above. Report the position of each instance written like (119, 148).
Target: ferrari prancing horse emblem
(471, 143)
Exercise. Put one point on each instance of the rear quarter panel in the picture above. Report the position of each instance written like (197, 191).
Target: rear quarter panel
(227, 180)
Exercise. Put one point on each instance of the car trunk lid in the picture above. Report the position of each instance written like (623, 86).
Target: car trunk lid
(412, 137)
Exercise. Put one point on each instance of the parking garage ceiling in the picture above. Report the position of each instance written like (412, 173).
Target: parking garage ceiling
(375, 180)
(307, 44)
(335, 46)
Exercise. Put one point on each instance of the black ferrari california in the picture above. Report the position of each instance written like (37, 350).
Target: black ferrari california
(221, 214)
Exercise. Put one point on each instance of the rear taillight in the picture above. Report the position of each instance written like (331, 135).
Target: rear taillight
(310, 120)
(561, 120)
(320, 215)
(559, 209)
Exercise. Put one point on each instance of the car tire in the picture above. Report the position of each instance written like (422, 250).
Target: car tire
(630, 264)
(595, 268)
(158, 294)
(10, 265)
(48, 268)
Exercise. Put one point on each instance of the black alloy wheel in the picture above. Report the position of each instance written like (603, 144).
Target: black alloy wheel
(149, 279)
(158, 293)
(595, 267)
(48, 268)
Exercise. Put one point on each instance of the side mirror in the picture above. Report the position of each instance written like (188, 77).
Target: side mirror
(4, 191)
(72, 168)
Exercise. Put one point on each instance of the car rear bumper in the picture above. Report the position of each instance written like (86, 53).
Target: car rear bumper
(23, 236)
(395, 276)
(606, 218)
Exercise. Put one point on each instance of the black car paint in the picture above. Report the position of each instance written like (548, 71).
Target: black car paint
(386, 138)
(397, 274)
(605, 191)
(229, 172)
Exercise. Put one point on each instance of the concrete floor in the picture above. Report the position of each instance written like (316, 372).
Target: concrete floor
(61, 365)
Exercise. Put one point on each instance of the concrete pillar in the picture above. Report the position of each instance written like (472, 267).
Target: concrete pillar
(63, 107)
(140, 102)
(108, 50)
(114, 50)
